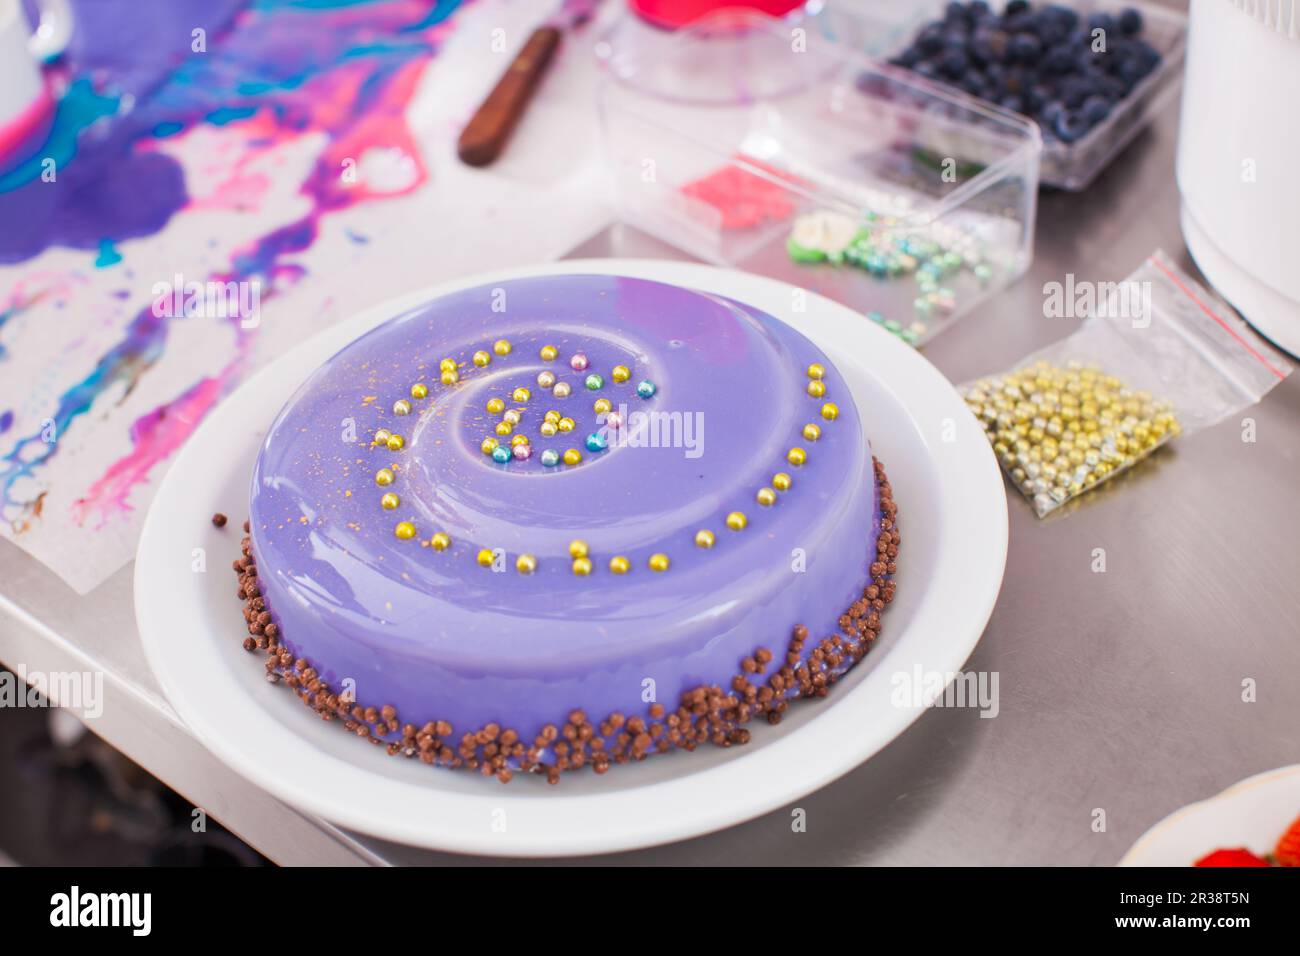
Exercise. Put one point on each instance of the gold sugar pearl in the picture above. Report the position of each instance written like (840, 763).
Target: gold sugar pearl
(581, 567)
(812, 432)
(511, 417)
(496, 406)
(390, 501)
(781, 481)
(578, 548)
(830, 411)
(382, 436)
(440, 542)
(396, 442)
(549, 353)
(704, 538)
(447, 365)
(504, 428)
(501, 347)
(404, 530)
(619, 564)
(796, 456)
(450, 377)
(566, 424)
(516, 440)
(545, 379)
(561, 390)
(737, 521)
(816, 389)
(602, 406)
(521, 395)
(419, 390)
(485, 558)
(552, 416)
(401, 407)
(549, 429)
(384, 477)
(488, 446)
(816, 371)
(526, 564)
(482, 359)
(572, 456)
(765, 497)
(658, 562)
(620, 373)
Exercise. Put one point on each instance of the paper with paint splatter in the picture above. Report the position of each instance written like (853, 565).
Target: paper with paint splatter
(220, 180)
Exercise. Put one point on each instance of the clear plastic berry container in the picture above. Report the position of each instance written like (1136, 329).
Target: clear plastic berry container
(885, 28)
(730, 137)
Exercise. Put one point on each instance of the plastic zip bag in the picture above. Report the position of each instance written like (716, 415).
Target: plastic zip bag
(1157, 356)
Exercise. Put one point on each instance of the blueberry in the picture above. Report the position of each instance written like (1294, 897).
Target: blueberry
(988, 46)
(1037, 96)
(909, 57)
(1101, 21)
(956, 11)
(979, 10)
(1059, 59)
(1095, 109)
(1026, 48)
(954, 63)
(930, 40)
(1130, 22)
(927, 68)
(1015, 7)
(1012, 102)
(1068, 127)
(1051, 112)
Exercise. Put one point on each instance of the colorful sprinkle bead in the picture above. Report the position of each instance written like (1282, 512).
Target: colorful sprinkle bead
(501, 347)
(737, 521)
(646, 389)
(390, 501)
(501, 454)
(594, 382)
(552, 416)
(518, 440)
(658, 562)
(523, 451)
(511, 417)
(566, 424)
(619, 564)
(621, 373)
(440, 541)
(579, 362)
(384, 477)
(504, 428)
(704, 538)
(526, 564)
(597, 442)
(419, 390)
(830, 411)
(550, 458)
(404, 530)
(614, 420)
(549, 429)
(602, 406)
(482, 359)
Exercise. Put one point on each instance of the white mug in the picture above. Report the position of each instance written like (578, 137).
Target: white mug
(24, 97)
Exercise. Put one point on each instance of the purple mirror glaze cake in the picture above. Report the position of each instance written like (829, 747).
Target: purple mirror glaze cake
(566, 522)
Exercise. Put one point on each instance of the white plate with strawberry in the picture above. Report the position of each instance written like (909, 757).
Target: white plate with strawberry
(1253, 823)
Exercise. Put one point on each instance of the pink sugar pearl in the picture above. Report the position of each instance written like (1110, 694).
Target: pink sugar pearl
(523, 452)
(578, 362)
(614, 420)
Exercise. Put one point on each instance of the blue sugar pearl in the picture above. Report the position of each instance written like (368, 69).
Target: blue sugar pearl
(597, 442)
(550, 458)
(594, 382)
(501, 454)
(646, 389)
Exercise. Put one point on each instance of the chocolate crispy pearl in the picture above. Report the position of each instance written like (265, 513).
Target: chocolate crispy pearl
(705, 714)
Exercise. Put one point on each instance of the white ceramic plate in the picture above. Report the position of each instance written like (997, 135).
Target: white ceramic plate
(952, 512)
(1252, 814)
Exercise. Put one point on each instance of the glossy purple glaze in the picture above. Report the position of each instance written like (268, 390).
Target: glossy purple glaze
(438, 636)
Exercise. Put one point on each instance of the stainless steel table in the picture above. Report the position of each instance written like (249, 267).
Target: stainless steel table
(1120, 691)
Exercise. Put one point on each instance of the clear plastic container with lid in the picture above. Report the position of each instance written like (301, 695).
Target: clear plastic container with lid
(765, 145)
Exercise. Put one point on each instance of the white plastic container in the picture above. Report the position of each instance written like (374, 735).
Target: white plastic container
(786, 123)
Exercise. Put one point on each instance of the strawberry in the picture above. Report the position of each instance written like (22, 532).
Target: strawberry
(1287, 851)
(1239, 857)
